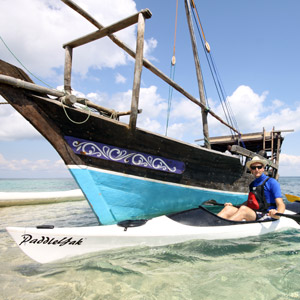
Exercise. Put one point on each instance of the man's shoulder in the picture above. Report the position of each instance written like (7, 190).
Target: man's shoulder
(273, 184)
(273, 181)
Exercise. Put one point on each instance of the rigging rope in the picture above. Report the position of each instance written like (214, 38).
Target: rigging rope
(216, 77)
(172, 72)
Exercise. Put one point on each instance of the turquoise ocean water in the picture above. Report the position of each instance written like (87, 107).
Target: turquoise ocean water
(265, 267)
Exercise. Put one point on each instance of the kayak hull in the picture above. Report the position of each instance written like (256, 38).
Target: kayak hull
(46, 245)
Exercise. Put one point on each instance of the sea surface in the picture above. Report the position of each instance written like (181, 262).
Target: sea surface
(265, 267)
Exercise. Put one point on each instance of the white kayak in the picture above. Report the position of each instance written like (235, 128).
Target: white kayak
(33, 198)
(46, 245)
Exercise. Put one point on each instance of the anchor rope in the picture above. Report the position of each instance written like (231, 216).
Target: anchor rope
(75, 122)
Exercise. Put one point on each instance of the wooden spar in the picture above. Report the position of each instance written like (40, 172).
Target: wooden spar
(108, 30)
(88, 103)
(277, 154)
(264, 139)
(137, 72)
(68, 69)
(104, 109)
(29, 86)
(199, 74)
(18, 83)
(245, 152)
(146, 63)
(272, 143)
(82, 12)
(125, 113)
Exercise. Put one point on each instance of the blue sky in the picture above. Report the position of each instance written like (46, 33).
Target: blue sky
(255, 45)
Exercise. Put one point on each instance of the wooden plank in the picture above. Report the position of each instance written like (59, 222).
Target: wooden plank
(29, 86)
(137, 72)
(108, 30)
(68, 69)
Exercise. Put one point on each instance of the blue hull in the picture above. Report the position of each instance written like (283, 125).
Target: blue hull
(115, 197)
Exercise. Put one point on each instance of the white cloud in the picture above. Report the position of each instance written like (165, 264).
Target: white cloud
(288, 164)
(25, 166)
(120, 78)
(14, 126)
(276, 104)
(252, 113)
(186, 109)
(247, 107)
(176, 131)
(152, 104)
(41, 27)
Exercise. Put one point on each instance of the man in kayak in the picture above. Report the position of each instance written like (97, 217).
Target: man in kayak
(264, 199)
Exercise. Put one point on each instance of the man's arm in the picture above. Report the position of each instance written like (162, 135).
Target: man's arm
(280, 208)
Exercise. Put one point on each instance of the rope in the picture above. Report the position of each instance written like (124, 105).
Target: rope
(194, 6)
(175, 31)
(4, 103)
(216, 77)
(172, 72)
(114, 115)
(75, 122)
(172, 76)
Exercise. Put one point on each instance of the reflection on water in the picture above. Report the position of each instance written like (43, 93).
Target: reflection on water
(265, 267)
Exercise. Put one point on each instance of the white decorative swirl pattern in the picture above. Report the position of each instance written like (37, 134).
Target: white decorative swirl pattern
(122, 155)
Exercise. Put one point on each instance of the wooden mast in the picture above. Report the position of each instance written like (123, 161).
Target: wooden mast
(199, 74)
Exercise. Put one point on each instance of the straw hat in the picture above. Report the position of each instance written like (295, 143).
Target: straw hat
(254, 160)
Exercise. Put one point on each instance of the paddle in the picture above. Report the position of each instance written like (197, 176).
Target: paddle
(292, 198)
(214, 202)
(295, 217)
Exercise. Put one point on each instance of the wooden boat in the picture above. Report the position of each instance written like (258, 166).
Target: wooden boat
(46, 244)
(127, 173)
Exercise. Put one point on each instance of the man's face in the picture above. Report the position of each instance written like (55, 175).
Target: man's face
(257, 169)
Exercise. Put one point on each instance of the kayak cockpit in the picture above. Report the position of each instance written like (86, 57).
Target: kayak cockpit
(202, 217)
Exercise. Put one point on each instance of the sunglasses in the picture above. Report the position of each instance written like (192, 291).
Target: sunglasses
(256, 167)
